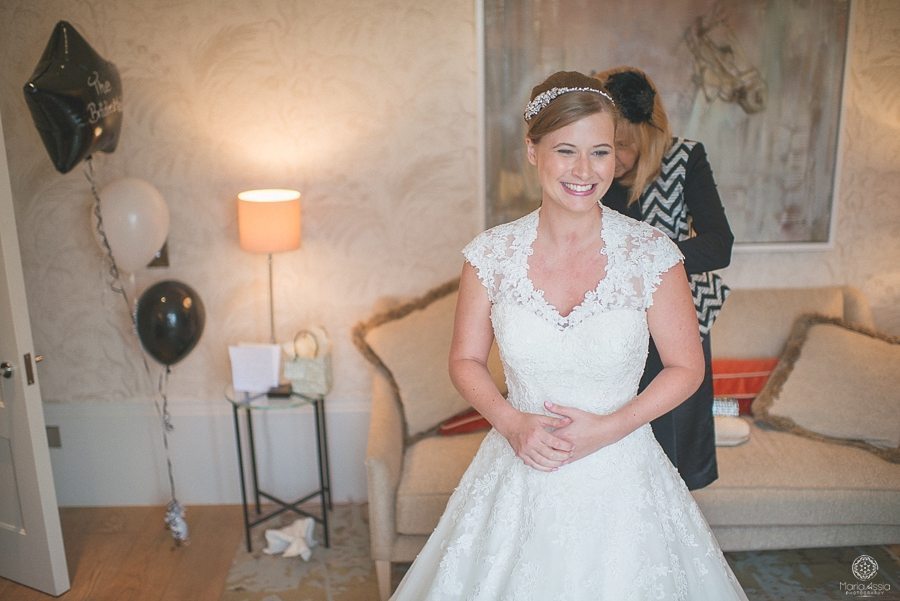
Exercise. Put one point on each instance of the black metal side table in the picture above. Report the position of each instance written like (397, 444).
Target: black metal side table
(248, 403)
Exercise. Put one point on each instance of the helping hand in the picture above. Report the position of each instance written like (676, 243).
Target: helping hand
(531, 437)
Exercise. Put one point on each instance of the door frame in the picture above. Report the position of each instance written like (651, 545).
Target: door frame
(31, 543)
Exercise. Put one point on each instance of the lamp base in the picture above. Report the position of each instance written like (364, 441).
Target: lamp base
(282, 391)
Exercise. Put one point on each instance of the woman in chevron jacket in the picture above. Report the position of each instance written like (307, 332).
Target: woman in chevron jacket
(668, 183)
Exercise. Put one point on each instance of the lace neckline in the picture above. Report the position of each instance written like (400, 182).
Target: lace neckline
(589, 303)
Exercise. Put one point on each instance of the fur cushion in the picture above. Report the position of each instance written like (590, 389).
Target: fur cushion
(836, 382)
(410, 345)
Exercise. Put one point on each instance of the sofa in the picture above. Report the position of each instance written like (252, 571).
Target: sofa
(782, 488)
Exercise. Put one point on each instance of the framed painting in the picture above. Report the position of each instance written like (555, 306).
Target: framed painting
(758, 82)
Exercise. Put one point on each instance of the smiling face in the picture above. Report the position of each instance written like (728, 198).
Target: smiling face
(576, 163)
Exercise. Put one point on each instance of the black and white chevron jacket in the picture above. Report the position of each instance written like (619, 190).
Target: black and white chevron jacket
(683, 202)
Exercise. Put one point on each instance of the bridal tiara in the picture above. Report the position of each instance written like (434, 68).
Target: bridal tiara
(541, 101)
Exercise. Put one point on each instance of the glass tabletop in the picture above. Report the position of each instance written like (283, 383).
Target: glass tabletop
(260, 400)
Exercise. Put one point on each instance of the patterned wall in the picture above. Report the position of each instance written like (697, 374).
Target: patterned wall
(370, 109)
(367, 108)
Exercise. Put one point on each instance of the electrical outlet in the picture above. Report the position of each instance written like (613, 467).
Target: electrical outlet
(161, 258)
(53, 437)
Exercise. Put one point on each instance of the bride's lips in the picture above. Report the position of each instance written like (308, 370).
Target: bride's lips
(579, 189)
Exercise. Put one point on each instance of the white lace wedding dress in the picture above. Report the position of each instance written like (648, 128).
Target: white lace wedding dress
(616, 525)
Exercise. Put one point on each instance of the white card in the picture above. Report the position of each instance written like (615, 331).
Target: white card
(254, 367)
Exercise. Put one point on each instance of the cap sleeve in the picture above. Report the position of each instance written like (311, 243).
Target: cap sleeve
(486, 253)
(661, 254)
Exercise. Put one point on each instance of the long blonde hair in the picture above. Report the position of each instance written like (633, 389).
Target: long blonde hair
(650, 134)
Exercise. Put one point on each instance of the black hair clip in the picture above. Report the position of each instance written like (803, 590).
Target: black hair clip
(633, 95)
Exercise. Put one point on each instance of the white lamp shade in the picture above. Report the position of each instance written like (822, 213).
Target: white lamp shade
(269, 220)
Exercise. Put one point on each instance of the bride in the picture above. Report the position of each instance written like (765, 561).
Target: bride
(570, 497)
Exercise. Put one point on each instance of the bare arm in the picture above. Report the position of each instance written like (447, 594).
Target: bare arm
(673, 324)
(529, 435)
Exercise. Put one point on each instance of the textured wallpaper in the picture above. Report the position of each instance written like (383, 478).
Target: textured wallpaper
(369, 108)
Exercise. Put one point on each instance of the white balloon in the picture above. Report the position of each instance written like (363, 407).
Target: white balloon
(136, 221)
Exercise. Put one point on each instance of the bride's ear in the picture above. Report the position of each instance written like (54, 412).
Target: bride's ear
(532, 151)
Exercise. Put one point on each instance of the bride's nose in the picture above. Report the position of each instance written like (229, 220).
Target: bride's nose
(582, 167)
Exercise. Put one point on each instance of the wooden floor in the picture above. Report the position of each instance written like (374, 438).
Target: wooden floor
(128, 554)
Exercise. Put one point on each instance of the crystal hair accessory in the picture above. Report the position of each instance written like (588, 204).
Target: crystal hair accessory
(541, 101)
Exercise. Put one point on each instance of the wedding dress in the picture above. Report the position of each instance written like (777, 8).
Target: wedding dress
(616, 525)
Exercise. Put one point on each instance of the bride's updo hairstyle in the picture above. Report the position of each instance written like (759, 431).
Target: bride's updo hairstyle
(564, 98)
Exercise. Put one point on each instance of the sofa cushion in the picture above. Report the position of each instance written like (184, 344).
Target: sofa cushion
(432, 468)
(757, 322)
(465, 422)
(781, 479)
(410, 345)
(741, 379)
(837, 382)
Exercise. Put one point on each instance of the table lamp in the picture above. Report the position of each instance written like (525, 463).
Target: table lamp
(269, 222)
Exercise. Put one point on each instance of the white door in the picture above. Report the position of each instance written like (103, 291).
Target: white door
(31, 545)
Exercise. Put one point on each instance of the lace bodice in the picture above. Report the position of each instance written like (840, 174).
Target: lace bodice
(637, 254)
(591, 358)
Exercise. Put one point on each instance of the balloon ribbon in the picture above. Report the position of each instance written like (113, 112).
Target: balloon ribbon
(174, 519)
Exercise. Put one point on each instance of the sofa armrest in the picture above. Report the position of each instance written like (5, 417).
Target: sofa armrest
(384, 465)
(856, 308)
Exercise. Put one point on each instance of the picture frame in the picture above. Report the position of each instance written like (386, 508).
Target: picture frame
(760, 84)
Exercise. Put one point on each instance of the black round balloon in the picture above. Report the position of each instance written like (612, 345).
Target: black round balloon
(169, 320)
(75, 99)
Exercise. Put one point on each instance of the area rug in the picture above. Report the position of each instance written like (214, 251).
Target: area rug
(344, 572)
(822, 574)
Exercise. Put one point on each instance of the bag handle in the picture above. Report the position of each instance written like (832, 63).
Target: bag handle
(306, 334)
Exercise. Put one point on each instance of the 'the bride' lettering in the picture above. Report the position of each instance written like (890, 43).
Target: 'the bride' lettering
(100, 87)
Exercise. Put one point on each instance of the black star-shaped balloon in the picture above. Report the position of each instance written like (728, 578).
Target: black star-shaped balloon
(75, 98)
